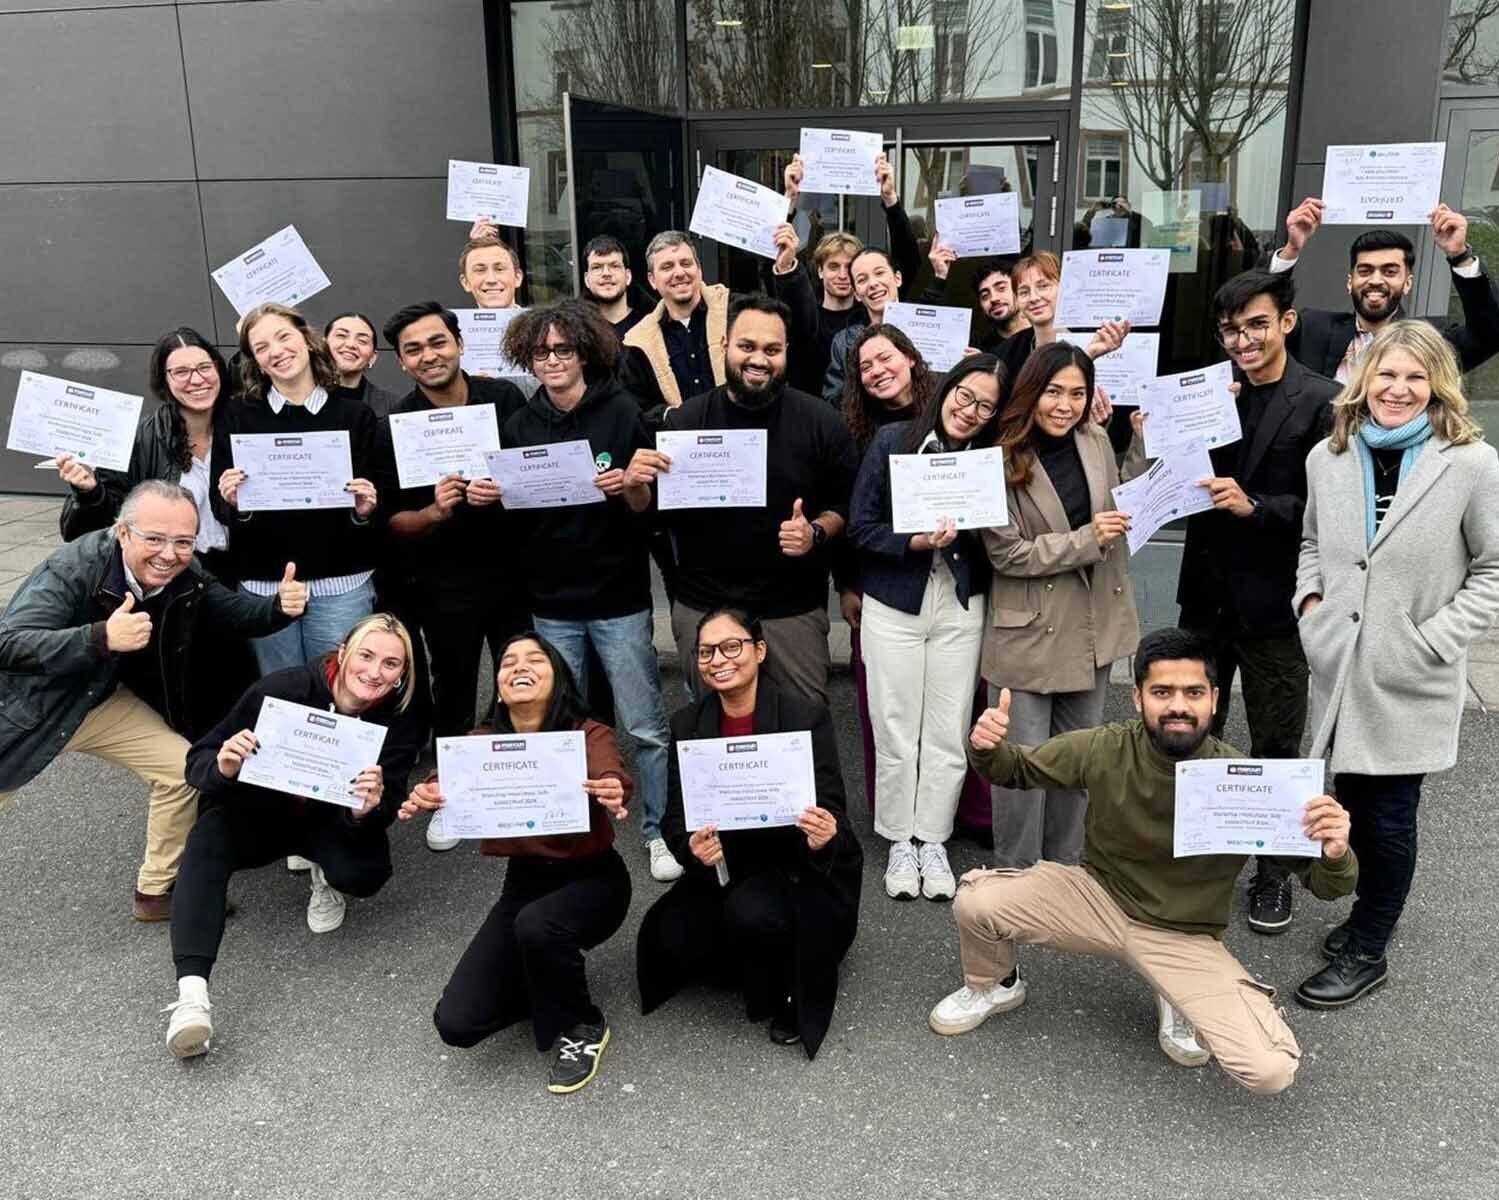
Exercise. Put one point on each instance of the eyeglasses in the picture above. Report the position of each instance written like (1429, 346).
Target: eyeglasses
(1254, 332)
(157, 542)
(564, 353)
(183, 374)
(984, 408)
(729, 648)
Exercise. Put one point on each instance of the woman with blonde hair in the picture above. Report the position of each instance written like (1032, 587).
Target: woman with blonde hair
(1399, 573)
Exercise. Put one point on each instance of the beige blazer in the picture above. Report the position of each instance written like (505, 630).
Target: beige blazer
(1060, 605)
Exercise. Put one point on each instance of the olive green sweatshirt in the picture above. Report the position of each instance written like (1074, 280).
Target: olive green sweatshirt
(1131, 815)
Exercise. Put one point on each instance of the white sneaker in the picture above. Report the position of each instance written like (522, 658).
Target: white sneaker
(937, 882)
(967, 1009)
(296, 863)
(1177, 1036)
(437, 838)
(664, 867)
(326, 906)
(902, 873)
(190, 1027)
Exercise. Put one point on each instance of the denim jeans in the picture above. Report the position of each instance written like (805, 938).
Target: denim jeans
(320, 629)
(1382, 820)
(626, 646)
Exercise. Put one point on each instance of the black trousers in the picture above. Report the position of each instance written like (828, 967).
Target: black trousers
(457, 616)
(239, 835)
(527, 958)
(1382, 815)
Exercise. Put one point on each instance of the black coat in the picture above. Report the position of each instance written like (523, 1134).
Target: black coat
(150, 458)
(825, 883)
(1244, 568)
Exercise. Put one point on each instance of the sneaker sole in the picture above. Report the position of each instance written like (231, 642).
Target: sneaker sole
(1269, 927)
(563, 1089)
(298, 869)
(1307, 1002)
(321, 928)
(1180, 1057)
(945, 892)
(902, 894)
(968, 1025)
(190, 1041)
(443, 847)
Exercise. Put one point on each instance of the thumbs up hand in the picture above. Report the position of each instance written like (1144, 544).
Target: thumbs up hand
(796, 534)
(291, 594)
(127, 630)
(993, 725)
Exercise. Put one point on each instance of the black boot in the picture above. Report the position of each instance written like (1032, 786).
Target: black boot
(1344, 980)
(1336, 941)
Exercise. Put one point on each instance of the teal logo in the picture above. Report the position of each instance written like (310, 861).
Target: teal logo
(764, 817)
(530, 824)
(315, 789)
(602, 461)
(1259, 845)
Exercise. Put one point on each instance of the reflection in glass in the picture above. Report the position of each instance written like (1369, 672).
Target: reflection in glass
(1480, 204)
(1472, 43)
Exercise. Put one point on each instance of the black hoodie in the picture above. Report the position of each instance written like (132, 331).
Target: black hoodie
(585, 562)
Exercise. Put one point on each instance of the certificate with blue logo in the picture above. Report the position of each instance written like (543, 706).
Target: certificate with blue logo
(505, 785)
(1382, 185)
(761, 781)
(1245, 806)
(311, 753)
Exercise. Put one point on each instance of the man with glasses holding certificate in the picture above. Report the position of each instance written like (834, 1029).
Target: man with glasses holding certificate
(95, 654)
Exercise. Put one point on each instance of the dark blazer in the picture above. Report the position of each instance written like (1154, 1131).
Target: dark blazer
(824, 884)
(1321, 337)
(1244, 568)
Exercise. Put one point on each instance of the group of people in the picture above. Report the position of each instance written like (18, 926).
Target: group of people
(1351, 556)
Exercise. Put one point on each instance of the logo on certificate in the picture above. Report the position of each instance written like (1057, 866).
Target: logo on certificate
(507, 745)
(319, 719)
(741, 747)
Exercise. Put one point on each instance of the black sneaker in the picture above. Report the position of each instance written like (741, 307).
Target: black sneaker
(1344, 979)
(1270, 901)
(577, 1053)
(784, 1028)
(1336, 941)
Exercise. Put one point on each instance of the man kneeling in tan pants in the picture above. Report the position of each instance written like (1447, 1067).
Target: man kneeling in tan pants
(1131, 900)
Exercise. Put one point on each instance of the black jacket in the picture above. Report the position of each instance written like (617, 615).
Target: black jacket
(1240, 572)
(825, 883)
(405, 735)
(55, 666)
(376, 398)
(150, 458)
(585, 561)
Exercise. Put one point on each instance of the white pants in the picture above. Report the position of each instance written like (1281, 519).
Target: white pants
(921, 670)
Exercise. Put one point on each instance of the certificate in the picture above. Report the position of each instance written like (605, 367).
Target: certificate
(303, 470)
(512, 784)
(1383, 185)
(840, 162)
(483, 333)
(1166, 492)
(1112, 285)
(443, 441)
(312, 753)
(53, 416)
(1195, 406)
(738, 212)
(487, 191)
(1245, 806)
(973, 226)
(1121, 372)
(968, 487)
(279, 270)
(712, 468)
(552, 476)
(939, 331)
(754, 782)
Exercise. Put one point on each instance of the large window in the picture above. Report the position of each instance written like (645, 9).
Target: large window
(1103, 166)
(1040, 44)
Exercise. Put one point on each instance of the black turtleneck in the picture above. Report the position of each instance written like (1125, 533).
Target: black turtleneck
(1063, 466)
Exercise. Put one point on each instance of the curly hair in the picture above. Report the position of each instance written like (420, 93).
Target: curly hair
(577, 322)
(253, 382)
(1018, 420)
(182, 338)
(860, 409)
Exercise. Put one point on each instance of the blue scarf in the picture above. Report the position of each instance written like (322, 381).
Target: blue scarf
(1410, 437)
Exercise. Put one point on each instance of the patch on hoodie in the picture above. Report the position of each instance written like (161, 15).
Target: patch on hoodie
(602, 461)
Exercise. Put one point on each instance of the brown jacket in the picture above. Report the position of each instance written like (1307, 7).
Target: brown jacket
(1060, 605)
(647, 337)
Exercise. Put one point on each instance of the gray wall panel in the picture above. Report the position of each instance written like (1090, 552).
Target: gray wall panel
(99, 96)
(343, 88)
(109, 263)
(11, 6)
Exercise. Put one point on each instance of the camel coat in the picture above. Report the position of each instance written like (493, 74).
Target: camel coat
(1388, 645)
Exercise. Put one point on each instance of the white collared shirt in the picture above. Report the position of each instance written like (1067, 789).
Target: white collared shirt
(134, 584)
(313, 404)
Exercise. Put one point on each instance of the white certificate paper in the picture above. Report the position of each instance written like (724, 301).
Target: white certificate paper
(1166, 492)
(293, 470)
(443, 441)
(512, 784)
(1112, 285)
(840, 162)
(279, 270)
(55, 416)
(1121, 372)
(483, 333)
(973, 226)
(1382, 185)
(552, 476)
(497, 193)
(968, 487)
(311, 753)
(712, 468)
(1195, 406)
(738, 212)
(939, 331)
(754, 782)
(1245, 806)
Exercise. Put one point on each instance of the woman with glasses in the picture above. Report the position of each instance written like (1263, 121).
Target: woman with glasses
(770, 911)
(1036, 280)
(922, 628)
(1061, 604)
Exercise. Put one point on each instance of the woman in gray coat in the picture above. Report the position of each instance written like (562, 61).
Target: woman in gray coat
(1399, 573)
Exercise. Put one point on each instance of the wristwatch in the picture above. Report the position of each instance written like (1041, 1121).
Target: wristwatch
(1462, 256)
(819, 534)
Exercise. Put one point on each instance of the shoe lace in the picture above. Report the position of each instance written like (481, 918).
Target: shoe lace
(934, 859)
(903, 857)
(1275, 889)
(569, 1049)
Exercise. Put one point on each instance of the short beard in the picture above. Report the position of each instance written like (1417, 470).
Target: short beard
(1367, 315)
(745, 396)
(1177, 745)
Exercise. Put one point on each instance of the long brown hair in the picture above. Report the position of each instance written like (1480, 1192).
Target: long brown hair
(860, 409)
(254, 382)
(1018, 421)
(1448, 411)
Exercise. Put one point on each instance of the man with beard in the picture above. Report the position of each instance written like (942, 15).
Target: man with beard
(606, 282)
(1380, 275)
(991, 287)
(1131, 900)
(771, 561)
(351, 341)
